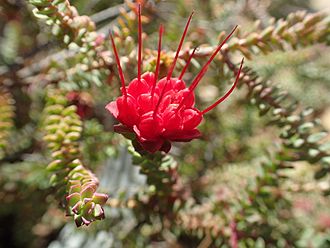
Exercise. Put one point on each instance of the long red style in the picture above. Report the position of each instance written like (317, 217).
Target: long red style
(228, 92)
(170, 72)
(120, 70)
(204, 69)
(140, 43)
(161, 30)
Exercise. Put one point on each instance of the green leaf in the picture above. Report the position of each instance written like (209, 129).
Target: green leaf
(321, 173)
(40, 3)
(47, 11)
(298, 143)
(38, 15)
(73, 198)
(326, 160)
(316, 137)
(305, 127)
(55, 165)
(87, 192)
(325, 147)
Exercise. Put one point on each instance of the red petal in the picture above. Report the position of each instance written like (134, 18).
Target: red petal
(191, 118)
(128, 112)
(183, 135)
(113, 108)
(165, 102)
(178, 84)
(161, 84)
(152, 146)
(136, 87)
(150, 128)
(149, 77)
(172, 120)
(166, 147)
(145, 104)
(148, 145)
(190, 98)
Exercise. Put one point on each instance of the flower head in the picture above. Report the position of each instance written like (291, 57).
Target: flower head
(158, 112)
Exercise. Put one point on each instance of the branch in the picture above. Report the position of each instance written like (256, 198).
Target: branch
(298, 30)
(302, 135)
(63, 131)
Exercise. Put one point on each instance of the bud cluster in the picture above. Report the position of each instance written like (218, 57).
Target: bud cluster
(298, 30)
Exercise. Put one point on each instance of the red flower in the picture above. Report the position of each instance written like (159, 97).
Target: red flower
(160, 111)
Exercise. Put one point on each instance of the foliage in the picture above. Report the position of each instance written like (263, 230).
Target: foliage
(63, 129)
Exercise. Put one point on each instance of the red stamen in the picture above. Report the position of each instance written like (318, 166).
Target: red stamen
(121, 74)
(187, 64)
(169, 75)
(228, 93)
(140, 43)
(161, 30)
(205, 67)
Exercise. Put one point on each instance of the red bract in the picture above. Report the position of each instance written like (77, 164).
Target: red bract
(156, 111)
